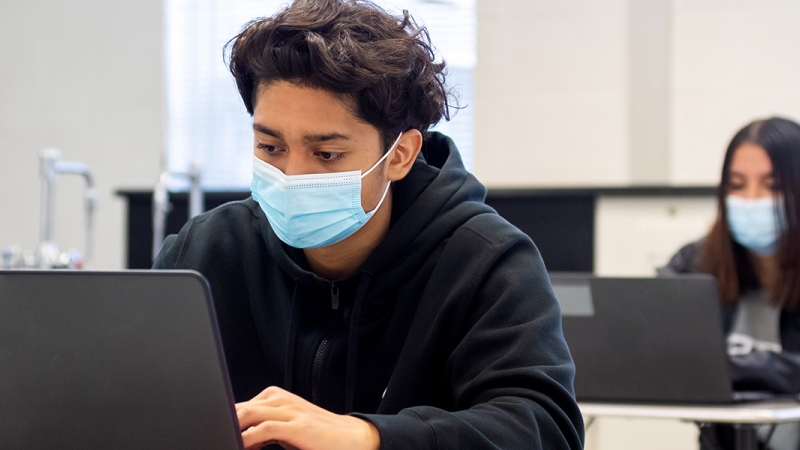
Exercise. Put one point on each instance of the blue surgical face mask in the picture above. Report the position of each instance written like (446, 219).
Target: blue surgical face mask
(313, 210)
(756, 224)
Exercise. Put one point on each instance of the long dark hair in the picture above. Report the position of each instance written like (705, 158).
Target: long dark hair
(725, 258)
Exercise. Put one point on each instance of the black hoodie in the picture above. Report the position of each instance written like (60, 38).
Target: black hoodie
(447, 337)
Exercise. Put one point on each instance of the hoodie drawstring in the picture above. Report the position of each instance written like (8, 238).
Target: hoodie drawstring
(288, 374)
(352, 343)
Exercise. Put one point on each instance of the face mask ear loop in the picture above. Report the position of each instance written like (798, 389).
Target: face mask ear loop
(385, 191)
(383, 157)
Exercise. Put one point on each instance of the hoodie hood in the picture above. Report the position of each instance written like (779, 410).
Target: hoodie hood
(436, 197)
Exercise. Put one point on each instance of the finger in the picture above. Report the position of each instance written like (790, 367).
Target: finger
(275, 396)
(252, 415)
(272, 392)
(274, 401)
(243, 405)
(265, 433)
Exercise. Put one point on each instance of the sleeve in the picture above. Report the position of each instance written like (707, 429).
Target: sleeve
(511, 375)
(169, 254)
(684, 261)
(777, 372)
(172, 251)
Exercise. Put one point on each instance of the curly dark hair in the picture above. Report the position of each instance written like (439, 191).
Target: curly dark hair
(386, 64)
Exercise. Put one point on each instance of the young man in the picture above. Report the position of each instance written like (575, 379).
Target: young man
(367, 297)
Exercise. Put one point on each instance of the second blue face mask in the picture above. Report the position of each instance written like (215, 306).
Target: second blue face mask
(312, 210)
(756, 224)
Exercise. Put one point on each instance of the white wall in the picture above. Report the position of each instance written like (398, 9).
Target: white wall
(640, 434)
(733, 61)
(551, 93)
(86, 77)
(559, 86)
(635, 235)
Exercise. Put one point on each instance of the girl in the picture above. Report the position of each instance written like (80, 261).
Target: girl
(753, 250)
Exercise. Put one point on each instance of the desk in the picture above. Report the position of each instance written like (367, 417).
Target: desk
(746, 417)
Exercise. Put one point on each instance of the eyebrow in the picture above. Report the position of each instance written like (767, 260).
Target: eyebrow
(262, 129)
(307, 139)
(315, 138)
(739, 174)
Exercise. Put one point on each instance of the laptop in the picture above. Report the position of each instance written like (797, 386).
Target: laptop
(112, 360)
(646, 340)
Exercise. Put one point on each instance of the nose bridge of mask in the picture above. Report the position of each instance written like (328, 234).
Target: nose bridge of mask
(268, 171)
(762, 206)
(383, 157)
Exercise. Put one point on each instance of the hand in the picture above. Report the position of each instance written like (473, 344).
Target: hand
(276, 416)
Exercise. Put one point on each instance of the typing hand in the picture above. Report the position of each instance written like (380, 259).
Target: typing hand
(276, 416)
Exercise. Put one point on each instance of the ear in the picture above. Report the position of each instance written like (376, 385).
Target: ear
(404, 155)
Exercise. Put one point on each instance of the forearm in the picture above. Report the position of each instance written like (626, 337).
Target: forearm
(766, 371)
(503, 423)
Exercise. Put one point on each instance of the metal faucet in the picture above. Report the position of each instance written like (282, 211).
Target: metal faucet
(51, 166)
(47, 255)
(161, 205)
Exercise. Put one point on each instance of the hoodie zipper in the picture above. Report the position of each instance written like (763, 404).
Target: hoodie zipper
(316, 370)
(334, 296)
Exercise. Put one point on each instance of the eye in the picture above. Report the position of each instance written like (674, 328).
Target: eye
(736, 182)
(735, 186)
(328, 156)
(773, 186)
(268, 148)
